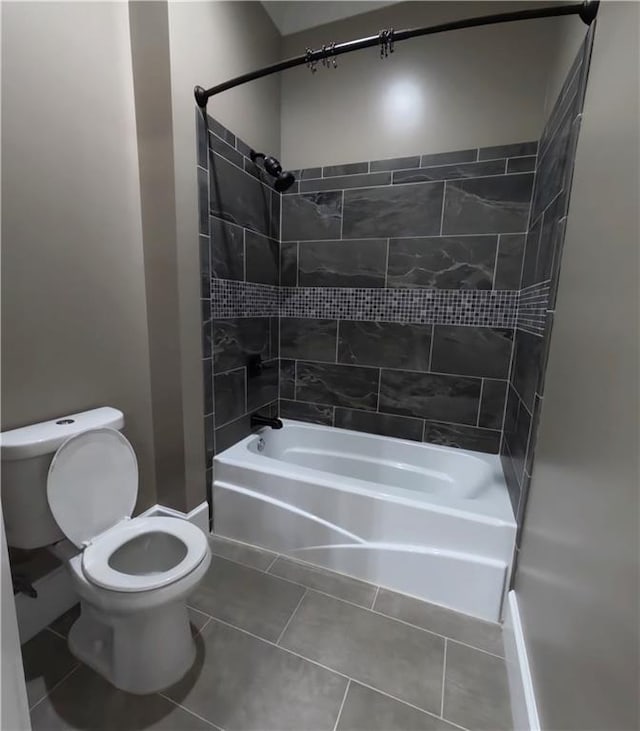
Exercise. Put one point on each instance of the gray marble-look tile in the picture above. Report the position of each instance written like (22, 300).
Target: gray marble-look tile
(238, 197)
(389, 344)
(311, 216)
(207, 379)
(509, 261)
(551, 240)
(462, 437)
(337, 385)
(243, 684)
(207, 328)
(262, 259)
(235, 340)
(201, 138)
(246, 598)
(227, 151)
(209, 440)
(555, 165)
(521, 164)
(262, 386)
(276, 205)
(400, 427)
(289, 263)
(221, 131)
(306, 173)
(403, 210)
(517, 427)
(450, 172)
(205, 267)
(227, 250)
(395, 163)
(303, 411)
(321, 579)
(442, 262)
(449, 158)
(46, 659)
(470, 630)
(233, 432)
(350, 168)
(64, 622)
(203, 201)
(347, 181)
(342, 263)
(493, 205)
(87, 701)
(518, 149)
(476, 693)
(380, 652)
(230, 395)
(530, 271)
(257, 558)
(472, 351)
(446, 398)
(367, 710)
(243, 147)
(307, 339)
(287, 378)
(492, 404)
(510, 477)
(528, 363)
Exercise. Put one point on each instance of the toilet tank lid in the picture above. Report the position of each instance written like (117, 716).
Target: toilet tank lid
(45, 437)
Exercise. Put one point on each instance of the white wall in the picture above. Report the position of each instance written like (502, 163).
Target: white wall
(577, 582)
(461, 89)
(74, 326)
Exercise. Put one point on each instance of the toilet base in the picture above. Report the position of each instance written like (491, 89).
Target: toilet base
(140, 653)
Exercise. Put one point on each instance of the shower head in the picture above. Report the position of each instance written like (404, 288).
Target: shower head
(284, 178)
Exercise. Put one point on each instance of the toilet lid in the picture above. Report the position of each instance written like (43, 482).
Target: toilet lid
(92, 483)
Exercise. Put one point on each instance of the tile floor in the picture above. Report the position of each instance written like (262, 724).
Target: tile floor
(285, 646)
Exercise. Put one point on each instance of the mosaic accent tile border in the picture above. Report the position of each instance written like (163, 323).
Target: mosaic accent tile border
(533, 305)
(423, 306)
(243, 299)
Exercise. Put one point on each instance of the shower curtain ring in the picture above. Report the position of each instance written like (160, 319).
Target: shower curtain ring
(311, 62)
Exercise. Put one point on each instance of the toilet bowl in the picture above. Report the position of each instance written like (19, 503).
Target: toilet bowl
(132, 575)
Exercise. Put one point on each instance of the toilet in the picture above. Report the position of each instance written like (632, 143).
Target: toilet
(77, 477)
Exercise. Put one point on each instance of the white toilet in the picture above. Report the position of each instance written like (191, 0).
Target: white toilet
(78, 477)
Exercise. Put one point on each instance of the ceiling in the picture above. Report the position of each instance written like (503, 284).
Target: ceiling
(292, 16)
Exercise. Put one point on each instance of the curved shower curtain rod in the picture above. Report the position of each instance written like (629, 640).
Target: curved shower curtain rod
(587, 11)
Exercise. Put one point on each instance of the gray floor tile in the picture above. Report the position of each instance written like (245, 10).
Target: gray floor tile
(46, 659)
(259, 558)
(246, 598)
(315, 577)
(485, 635)
(476, 693)
(86, 701)
(367, 710)
(244, 684)
(397, 659)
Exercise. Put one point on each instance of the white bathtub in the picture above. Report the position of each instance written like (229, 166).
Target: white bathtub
(429, 521)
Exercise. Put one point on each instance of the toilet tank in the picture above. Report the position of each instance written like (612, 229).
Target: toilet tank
(26, 454)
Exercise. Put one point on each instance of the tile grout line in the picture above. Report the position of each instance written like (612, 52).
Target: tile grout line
(444, 673)
(270, 566)
(188, 710)
(335, 672)
(55, 686)
(359, 606)
(375, 596)
(284, 629)
(344, 698)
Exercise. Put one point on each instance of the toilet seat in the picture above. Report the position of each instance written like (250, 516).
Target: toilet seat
(92, 486)
(95, 558)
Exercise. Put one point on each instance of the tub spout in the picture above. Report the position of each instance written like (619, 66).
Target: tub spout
(259, 420)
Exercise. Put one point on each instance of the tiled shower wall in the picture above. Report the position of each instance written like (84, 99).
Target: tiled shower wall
(540, 271)
(399, 292)
(239, 244)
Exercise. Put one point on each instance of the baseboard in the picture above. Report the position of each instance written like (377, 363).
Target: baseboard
(55, 596)
(523, 702)
(199, 516)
